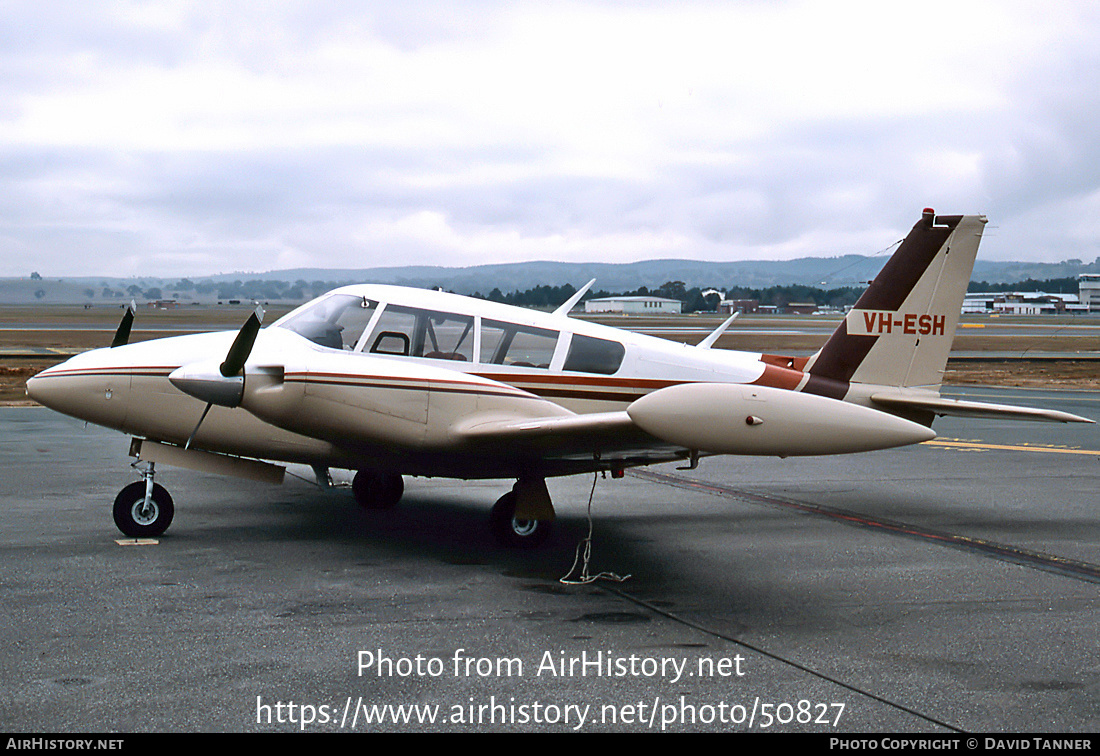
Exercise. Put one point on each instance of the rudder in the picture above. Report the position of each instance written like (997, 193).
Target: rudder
(900, 331)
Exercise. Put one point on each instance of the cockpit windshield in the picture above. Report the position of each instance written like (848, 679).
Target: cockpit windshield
(336, 322)
(347, 321)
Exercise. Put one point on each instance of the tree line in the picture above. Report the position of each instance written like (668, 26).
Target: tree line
(1067, 285)
(692, 298)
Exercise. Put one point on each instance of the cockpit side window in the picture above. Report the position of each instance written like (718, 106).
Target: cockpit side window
(520, 346)
(412, 332)
(336, 322)
(591, 355)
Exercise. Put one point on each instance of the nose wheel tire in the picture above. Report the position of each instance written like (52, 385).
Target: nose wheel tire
(513, 532)
(140, 519)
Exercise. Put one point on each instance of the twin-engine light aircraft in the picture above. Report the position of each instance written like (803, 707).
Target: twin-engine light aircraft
(391, 381)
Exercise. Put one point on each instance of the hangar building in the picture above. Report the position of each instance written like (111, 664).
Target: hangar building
(634, 305)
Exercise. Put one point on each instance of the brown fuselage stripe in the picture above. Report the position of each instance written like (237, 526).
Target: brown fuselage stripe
(791, 363)
(620, 390)
(148, 372)
(779, 377)
(644, 384)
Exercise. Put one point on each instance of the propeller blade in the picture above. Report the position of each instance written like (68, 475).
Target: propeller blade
(203, 417)
(242, 345)
(215, 382)
(122, 335)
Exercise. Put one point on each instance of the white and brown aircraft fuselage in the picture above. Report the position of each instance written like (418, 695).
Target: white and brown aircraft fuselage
(392, 381)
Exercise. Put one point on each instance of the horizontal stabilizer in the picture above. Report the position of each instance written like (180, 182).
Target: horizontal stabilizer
(961, 408)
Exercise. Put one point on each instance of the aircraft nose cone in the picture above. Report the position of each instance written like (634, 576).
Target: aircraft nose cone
(38, 388)
(31, 390)
(82, 389)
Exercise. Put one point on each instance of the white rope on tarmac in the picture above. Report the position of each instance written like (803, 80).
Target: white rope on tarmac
(585, 578)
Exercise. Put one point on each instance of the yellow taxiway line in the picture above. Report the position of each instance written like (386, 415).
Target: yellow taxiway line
(955, 443)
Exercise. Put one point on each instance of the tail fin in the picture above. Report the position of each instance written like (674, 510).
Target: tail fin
(901, 329)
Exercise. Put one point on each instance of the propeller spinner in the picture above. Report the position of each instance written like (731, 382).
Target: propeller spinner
(219, 382)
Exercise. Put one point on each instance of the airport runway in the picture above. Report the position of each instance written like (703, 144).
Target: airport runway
(953, 586)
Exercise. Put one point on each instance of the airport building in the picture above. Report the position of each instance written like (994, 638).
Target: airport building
(634, 305)
(1088, 291)
(746, 306)
(1019, 303)
(1086, 300)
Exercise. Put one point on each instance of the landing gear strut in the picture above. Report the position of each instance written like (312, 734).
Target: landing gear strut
(374, 490)
(524, 517)
(143, 509)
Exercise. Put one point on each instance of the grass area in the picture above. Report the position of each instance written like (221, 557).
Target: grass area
(202, 318)
(1077, 374)
(13, 379)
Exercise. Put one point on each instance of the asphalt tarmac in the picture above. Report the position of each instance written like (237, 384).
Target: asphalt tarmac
(949, 587)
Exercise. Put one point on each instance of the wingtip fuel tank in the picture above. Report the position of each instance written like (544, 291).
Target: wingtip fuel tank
(724, 418)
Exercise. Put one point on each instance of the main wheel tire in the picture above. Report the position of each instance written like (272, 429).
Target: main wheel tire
(136, 521)
(513, 532)
(377, 490)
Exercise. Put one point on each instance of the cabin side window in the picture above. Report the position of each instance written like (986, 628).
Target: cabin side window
(515, 345)
(592, 355)
(412, 332)
(335, 322)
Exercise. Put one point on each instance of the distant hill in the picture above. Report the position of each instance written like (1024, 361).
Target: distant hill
(833, 271)
(1009, 272)
(822, 272)
(826, 272)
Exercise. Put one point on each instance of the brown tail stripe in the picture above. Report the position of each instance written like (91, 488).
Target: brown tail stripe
(844, 352)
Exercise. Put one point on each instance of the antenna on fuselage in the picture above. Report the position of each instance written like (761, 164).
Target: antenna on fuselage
(568, 304)
(709, 340)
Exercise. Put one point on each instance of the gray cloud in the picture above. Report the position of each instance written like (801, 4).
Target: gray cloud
(190, 139)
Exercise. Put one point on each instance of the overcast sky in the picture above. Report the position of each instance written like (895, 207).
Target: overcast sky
(190, 138)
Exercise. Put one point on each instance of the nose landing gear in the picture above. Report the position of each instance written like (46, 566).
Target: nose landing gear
(143, 509)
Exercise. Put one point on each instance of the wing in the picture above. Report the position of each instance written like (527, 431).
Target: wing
(961, 408)
(715, 418)
(603, 435)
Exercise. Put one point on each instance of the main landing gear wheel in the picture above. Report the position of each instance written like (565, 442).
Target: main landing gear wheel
(513, 532)
(377, 490)
(140, 519)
